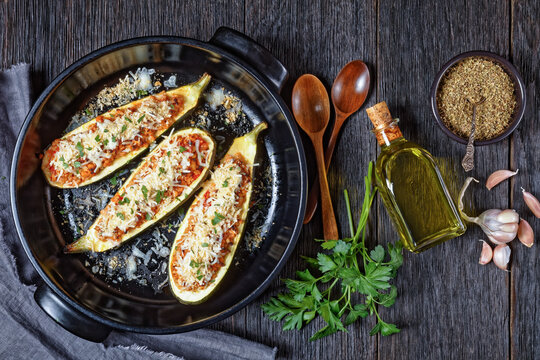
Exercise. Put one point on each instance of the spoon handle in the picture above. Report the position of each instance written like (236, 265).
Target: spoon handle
(328, 216)
(468, 160)
(313, 197)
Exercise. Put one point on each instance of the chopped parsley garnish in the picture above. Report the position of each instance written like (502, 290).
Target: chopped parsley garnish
(161, 170)
(226, 182)
(114, 180)
(62, 212)
(171, 106)
(77, 164)
(204, 244)
(88, 112)
(125, 200)
(124, 127)
(144, 192)
(105, 130)
(132, 211)
(159, 196)
(169, 153)
(97, 138)
(64, 163)
(199, 277)
(121, 216)
(194, 263)
(105, 142)
(139, 120)
(142, 92)
(80, 148)
(89, 148)
(114, 138)
(182, 149)
(217, 218)
(148, 217)
(128, 119)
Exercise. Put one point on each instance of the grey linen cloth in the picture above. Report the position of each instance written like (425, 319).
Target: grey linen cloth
(26, 332)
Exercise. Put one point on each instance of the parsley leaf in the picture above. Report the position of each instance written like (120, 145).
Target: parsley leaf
(148, 216)
(226, 182)
(140, 119)
(204, 244)
(124, 127)
(128, 119)
(144, 191)
(121, 216)
(344, 267)
(159, 196)
(182, 149)
(80, 148)
(77, 164)
(114, 180)
(161, 170)
(217, 218)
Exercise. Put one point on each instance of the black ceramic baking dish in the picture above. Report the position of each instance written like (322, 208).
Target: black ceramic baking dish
(71, 294)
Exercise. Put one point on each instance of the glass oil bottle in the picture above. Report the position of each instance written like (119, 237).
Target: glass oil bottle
(412, 187)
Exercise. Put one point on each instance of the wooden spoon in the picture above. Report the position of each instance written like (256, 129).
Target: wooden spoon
(311, 108)
(349, 92)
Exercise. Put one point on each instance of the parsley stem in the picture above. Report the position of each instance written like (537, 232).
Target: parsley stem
(349, 213)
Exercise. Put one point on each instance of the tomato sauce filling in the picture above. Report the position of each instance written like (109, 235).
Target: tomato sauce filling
(147, 135)
(228, 237)
(182, 180)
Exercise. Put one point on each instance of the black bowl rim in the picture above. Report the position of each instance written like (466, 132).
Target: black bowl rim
(181, 41)
(518, 115)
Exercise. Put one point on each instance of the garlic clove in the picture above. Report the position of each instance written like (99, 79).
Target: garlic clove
(501, 237)
(531, 202)
(525, 233)
(508, 216)
(509, 228)
(501, 256)
(499, 176)
(486, 255)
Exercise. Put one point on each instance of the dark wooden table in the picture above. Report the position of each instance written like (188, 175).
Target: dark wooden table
(448, 306)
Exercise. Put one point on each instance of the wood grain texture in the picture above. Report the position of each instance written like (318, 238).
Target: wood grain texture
(525, 270)
(448, 305)
(443, 292)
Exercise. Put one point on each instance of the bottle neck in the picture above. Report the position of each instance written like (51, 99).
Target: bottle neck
(388, 134)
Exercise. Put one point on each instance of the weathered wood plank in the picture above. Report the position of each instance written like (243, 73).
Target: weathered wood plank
(319, 37)
(525, 302)
(448, 305)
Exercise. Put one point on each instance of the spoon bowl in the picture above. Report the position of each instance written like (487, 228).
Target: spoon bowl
(351, 87)
(310, 104)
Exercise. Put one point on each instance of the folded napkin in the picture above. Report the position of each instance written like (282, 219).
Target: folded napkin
(26, 332)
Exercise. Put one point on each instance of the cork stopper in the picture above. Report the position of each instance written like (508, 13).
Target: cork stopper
(379, 114)
(385, 128)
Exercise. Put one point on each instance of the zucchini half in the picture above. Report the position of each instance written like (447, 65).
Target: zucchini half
(86, 154)
(152, 191)
(205, 230)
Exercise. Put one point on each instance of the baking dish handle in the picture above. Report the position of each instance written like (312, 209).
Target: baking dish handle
(256, 55)
(68, 317)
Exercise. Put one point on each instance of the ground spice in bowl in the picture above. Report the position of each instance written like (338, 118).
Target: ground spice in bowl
(465, 83)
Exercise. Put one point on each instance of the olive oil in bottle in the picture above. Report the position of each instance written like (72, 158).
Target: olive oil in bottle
(412, 187)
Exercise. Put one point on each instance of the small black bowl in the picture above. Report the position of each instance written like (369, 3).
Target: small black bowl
(510, 70)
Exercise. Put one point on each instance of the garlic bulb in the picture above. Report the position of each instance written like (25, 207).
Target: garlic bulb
(500, 226)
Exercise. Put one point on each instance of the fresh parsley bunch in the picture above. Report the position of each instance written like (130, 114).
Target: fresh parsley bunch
(346, 268)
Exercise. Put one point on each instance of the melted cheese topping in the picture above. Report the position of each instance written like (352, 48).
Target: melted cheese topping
(213, 223)
(162, 178)
(81, 155)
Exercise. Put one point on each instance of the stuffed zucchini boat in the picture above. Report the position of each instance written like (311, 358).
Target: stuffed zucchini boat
(102, 145)
(209, 234)
(164, 180)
